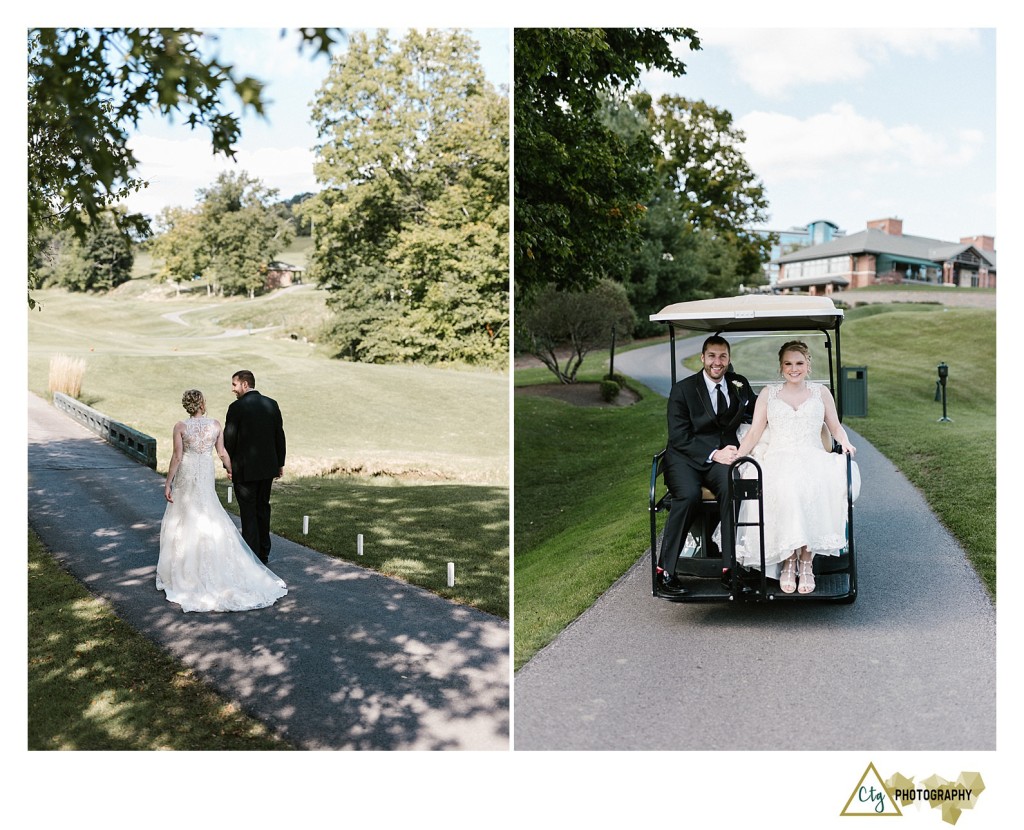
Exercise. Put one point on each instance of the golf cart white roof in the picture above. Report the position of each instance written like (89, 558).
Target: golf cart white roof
(753, 312)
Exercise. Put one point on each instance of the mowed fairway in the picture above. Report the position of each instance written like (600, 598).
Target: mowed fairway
(356, 432)
(443, 423)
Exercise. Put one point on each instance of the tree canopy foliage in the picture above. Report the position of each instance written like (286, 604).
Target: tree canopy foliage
(411, 226)
(230, 237)
(581, 320)
(581, 185)
(102, 259)
(696, 240)
(87, 87)
(608, 182)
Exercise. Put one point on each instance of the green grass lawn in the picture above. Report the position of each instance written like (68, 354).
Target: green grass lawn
(411, 530)
(580, 511)
(94, 683)
(339, 416)
(581, 475)
(413, 457)
(953, 464)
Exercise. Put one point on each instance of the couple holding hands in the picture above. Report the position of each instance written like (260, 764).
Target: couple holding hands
(205, 564)
(804, 485)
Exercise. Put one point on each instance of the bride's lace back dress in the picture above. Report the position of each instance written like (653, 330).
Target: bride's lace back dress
(805, 498)
(204, 564)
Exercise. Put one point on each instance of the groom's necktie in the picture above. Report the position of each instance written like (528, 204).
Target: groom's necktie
(720, 404)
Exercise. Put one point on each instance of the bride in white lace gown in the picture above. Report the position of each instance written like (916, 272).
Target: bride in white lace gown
(204, 563)
(805, 496)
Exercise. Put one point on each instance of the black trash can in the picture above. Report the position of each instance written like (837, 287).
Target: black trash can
(853, 386)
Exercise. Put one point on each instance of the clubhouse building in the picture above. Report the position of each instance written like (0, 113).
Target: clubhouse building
(884, 254)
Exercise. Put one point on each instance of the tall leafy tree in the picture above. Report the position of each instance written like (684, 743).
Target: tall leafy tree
(581, 184)
(715, 187)
(179, 244)
(411, 227)
(231, 236)
(289, 209)
(243, 231)
(568, 324)
(99, 261)
(88, 87)
(696, 237)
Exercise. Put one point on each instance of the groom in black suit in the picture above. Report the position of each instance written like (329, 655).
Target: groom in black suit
(254, 438)
(704, 412)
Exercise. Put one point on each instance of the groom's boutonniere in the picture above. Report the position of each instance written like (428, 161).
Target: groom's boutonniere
(737, 384)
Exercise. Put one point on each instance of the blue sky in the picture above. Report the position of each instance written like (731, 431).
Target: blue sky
(858, 124)
(277, 150)
(841, 124)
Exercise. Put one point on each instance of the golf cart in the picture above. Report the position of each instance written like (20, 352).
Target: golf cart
(706, 573)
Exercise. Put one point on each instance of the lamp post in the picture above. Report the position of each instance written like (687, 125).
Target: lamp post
(611, 362)
(941, 382)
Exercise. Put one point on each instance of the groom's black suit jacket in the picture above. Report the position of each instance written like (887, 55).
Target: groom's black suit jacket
(254, 437)
(694, 430)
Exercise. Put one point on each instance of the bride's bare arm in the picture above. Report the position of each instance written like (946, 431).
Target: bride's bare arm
(757, 425)
(176, 441)
(222, 453)
(832, 422)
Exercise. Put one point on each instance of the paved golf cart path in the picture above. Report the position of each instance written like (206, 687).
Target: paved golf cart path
(911, 665)
(349, 659)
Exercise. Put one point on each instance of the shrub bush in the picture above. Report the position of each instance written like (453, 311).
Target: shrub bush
(609, 390)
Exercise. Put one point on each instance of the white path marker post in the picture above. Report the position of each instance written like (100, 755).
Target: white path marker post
(305, 525)
(451, 574)
(359, 544)
(230, 493)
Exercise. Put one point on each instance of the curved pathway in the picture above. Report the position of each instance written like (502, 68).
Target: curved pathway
(349, 659)
(910, 666)
(177, 316)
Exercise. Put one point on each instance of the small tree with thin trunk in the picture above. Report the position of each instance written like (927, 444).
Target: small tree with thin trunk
(574, 323)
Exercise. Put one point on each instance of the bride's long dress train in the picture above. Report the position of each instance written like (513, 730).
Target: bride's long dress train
(205, 564)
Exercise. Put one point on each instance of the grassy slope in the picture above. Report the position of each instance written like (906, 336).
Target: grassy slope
(580, 515)
(582, 476)
(953, 464)
(443, 433)
(337, 414)
(410, 530)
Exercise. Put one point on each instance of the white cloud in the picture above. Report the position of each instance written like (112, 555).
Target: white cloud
(176, 169)
(782, 147)
(275, 60)
(774, 61)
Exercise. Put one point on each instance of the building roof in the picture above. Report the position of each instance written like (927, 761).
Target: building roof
(878, 242)
(277, 265)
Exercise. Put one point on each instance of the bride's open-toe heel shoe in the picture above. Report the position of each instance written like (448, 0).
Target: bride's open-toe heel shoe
(787, 576)
(807, 575)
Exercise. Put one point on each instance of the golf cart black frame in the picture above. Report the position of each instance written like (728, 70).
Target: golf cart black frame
(711, 575)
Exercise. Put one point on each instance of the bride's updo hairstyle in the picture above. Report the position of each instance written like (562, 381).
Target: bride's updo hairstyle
(193, 401)
(795, 346)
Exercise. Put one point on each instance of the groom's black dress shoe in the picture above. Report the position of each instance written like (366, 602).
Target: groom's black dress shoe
(670, 583)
